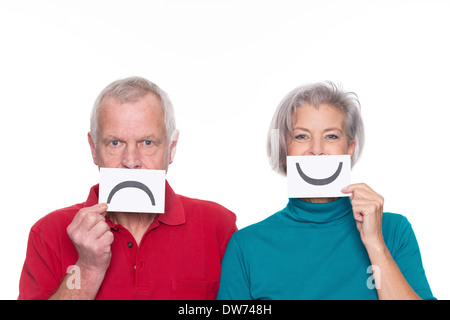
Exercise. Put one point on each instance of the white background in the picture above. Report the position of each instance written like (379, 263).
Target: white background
(226, 65)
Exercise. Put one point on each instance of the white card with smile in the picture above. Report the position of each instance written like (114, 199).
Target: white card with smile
(318, 176)
(132, 190)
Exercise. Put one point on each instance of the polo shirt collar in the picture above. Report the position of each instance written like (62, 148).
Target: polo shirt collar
(173, 212)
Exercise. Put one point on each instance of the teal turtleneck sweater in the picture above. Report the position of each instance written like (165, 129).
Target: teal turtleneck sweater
(314, 251)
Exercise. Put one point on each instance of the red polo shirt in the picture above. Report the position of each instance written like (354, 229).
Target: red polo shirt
(179, 256)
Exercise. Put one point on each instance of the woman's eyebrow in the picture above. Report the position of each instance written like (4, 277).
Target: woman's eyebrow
(333, 128)
(325, 130)
(301, 128)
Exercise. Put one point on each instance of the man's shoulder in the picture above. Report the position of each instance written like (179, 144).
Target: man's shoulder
(57, 219)
(205, 207)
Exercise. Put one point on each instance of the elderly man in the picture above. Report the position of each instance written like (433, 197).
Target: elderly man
(85, 252)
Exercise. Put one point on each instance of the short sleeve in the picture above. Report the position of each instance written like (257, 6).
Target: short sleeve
(41, 272)
(405, 250)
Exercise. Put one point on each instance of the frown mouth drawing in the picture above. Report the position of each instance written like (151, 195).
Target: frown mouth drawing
(131, 184)
(319, 182)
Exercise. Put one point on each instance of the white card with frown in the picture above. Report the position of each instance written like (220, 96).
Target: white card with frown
(318, 176)
(132, 190)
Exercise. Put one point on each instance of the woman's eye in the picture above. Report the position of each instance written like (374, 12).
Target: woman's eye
(301, 137)
(332, 137)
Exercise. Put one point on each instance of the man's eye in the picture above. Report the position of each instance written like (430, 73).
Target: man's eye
(115, 143)
(148, 143)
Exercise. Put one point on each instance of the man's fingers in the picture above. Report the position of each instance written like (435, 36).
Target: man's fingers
(85, 220)
(98, 209)
(99, 229)
(107, 238)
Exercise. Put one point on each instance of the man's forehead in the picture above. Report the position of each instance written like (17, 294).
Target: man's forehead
(130, 99)
(146, 108)
(145, 117)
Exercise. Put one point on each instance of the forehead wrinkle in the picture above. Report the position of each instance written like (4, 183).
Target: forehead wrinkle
(324, 130)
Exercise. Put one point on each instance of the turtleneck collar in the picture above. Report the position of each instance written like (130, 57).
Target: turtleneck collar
(330, 213)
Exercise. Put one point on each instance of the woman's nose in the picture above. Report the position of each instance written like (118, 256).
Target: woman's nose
(316, 147)
(131, 158)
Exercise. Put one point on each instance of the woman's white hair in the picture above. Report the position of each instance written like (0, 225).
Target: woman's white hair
(315, 95)
(131, 90)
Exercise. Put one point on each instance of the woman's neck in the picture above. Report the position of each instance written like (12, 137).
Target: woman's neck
(319, 200)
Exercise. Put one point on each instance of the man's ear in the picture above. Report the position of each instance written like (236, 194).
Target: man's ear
(92, 146)
(173, 145)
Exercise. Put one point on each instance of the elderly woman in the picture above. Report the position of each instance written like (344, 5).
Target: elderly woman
(323, 248)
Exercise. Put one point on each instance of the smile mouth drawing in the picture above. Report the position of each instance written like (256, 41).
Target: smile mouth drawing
(319, 182)
(131, 184)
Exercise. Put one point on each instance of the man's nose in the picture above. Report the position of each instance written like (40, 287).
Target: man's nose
(131, 157)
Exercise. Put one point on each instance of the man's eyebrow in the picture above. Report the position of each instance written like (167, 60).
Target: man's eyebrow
(148, 137)
(110, 137)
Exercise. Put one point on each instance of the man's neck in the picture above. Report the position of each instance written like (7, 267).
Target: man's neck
(136, 223)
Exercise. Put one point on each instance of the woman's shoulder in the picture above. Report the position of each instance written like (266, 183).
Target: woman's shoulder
(397, 232)
(395, 225)
(395, 221)
(261, 228)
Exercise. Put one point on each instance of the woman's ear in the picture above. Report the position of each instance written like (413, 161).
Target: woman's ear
(351, 148)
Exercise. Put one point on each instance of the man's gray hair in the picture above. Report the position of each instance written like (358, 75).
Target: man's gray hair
(131, 90)
(315, 95)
